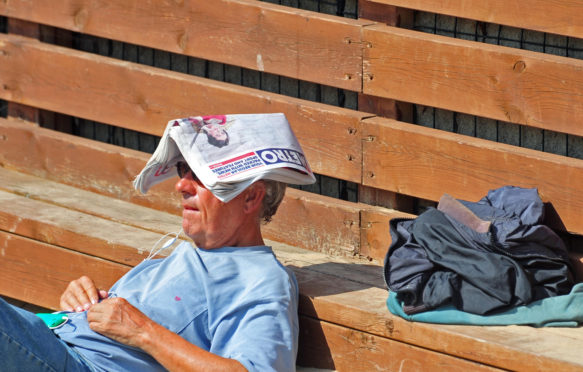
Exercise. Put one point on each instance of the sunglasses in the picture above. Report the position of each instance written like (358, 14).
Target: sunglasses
(183, 169)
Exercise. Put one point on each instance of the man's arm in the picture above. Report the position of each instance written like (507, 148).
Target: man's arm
(118, 319)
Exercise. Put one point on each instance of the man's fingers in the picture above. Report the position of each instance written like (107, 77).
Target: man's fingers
(65, 303)
(80, 295)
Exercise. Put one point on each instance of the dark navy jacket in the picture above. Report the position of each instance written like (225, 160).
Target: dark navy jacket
(435, 260)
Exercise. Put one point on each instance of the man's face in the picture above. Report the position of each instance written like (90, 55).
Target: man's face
(209, 222)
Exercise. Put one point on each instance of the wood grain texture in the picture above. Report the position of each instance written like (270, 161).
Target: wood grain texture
(427, 163)
(32, 30)
(318, 223)
(385, 13)
(255, 35)
(38, 273)
(145, 98)
(512, 348)
(66, 159)
(75, 230)
(326, 345)
(327, 282)
(375, 237)
(80, 200)
(556, 16)
(518, 86)
(343, 291)
(306, 220)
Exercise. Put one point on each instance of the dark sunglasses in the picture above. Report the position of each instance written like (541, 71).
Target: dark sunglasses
(182, 168)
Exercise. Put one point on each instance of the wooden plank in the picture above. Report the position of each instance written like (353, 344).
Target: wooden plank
(24, 28)
(74, 230)
(375, 236)
(265, 37)
(336, 290)
(427, 163)
(385, 13)
(67, 159)
(319, 223)
(64, 158)
(326, 345)
(557, 17)
(144, 98)
(512, 85)
(337, 231)
(519, 348)
(83, 201)
(38, 273)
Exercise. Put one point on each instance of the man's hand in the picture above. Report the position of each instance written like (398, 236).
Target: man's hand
(81, 294)
(119, 320)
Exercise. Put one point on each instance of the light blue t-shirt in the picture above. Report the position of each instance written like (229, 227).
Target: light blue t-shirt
(236, 302)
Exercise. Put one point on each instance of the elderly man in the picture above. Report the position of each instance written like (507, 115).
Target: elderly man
(225, 305)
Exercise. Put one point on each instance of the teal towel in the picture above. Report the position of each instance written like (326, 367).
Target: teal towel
(558, 311)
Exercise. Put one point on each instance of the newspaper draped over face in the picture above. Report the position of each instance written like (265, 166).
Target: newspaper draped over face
(228, 153)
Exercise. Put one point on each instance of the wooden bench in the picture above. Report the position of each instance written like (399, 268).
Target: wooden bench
(68, 207)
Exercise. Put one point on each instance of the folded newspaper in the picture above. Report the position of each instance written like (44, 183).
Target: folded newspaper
(228, 153)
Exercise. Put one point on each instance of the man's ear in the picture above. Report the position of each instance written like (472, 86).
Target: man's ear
(254, 197)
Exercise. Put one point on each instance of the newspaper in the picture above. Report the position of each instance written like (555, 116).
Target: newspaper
(228, 153)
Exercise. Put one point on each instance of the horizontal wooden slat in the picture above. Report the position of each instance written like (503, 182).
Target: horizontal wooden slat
(337, 231)
(335, 290)
(427, 163)
(68, 159)
(80, 200)
(375, 237)
(265, 37)
(38, 273)
(363, 308)
(513, 85)
(75, 230)
(361, 352)
(329, 225)
(311, 221)
(144, 98)
(557, 16)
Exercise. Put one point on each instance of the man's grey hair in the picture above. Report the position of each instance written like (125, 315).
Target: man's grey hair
(274, 192)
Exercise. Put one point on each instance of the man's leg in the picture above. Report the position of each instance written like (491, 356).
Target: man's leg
(27, 344)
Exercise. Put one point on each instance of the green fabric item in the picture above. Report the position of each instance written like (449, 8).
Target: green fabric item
(53, 320)
(558, 311)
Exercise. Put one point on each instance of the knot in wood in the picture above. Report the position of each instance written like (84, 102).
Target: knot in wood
(519, 66)
(390, 326)
(81, 18)
(183, 41)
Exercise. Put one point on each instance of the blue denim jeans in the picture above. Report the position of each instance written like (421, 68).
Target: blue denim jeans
(27, 344)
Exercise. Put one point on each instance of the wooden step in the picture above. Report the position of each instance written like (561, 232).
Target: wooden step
(345, 322)
(304, 219)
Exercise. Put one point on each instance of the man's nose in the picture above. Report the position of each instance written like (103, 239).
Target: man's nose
(185, 185)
